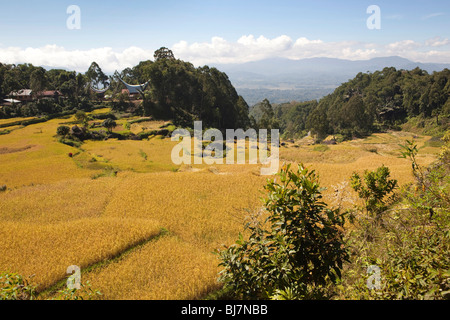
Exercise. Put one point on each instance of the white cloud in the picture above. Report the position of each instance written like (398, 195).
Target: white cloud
(433, 15)
(79, 60)
(437, 42)
(403, 46)
(249, 48)
(219, 50)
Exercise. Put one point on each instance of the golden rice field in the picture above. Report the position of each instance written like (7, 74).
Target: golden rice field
(139, 226)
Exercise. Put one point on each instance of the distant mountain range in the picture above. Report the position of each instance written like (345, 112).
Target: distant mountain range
(283, 80)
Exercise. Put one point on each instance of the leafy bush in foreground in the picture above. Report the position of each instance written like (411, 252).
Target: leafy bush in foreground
(296, 252)
(15, 287)
(409, 243)
(84, 293)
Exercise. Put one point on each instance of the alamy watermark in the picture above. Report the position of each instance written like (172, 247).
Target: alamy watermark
(74, 281)
(374, 281)
(236, 140)
(74, 20)
(374, 21)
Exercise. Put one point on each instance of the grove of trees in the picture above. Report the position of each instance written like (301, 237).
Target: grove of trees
(180, 92)
(177, 91)
(368, 103)
(387, 98)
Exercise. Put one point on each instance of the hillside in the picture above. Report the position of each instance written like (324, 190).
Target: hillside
(282, 80)
(176, 91)
(371, 102)
(138, 226)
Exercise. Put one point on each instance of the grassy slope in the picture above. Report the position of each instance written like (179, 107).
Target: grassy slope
(55, 214)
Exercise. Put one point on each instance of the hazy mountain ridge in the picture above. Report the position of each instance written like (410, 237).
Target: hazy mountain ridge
(285, 80)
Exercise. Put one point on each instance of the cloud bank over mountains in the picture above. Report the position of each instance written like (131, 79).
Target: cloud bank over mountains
(221, 51)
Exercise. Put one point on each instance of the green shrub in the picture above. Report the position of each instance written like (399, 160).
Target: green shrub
(15, 287)
(104, 116)
(411, 251)
(321, 148)
(143, 154)
(374, 189)
(63, 131)
(34, 121)
(109, 124)
(71, 143)
(371, 149)
(84, 293)
(297, 248)
(127, 126)
(409, 243)
(4, 132)
(107, 172)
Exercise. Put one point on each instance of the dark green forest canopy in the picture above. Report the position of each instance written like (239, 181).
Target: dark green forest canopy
(180, 92)
(383, 98)
(368, 103)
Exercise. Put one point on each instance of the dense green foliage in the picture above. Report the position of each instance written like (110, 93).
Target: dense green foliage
(177, 91)
(369, 103)
(291, 118)
(183, 93)
(373, 188)
(72, 85)
(387, 98)
(15, 287)
(297, 250)
(109, 124)
(409, 242)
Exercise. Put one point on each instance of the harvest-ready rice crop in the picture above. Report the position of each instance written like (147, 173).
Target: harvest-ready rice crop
(102, 206)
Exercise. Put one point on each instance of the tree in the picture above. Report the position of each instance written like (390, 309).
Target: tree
(63, 131)
(38, 81)
(298, 248)
(373, 190)
(243, 120)
(268, 120)
(354, 118)
(163, 53)
(317, 122)
(81, 117)
(109, 124)
(2, 76)
(96, 76)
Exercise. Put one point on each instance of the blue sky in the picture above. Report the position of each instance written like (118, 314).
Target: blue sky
(222, 30)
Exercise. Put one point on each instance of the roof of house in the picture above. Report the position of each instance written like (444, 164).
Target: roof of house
(50, 93)
(21, 92)
(135, 88)
(98, 90)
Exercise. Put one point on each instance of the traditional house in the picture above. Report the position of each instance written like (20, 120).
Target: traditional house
(134, 91)
(23, 95)
(52, 94)
(26, 95)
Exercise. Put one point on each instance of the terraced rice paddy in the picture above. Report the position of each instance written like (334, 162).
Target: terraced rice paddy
(139, 226)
